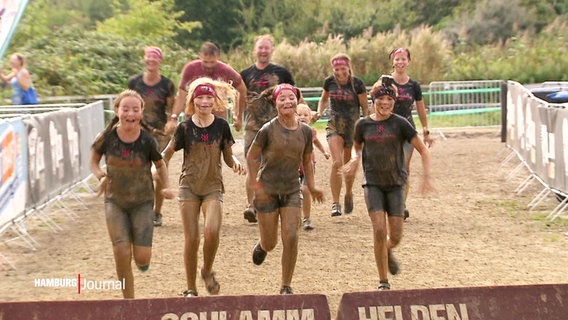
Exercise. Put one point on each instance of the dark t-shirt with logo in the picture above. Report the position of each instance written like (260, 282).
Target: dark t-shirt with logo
(343, 104)
(408, 93)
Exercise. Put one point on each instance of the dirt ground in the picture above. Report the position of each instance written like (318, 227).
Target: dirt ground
(474, 231)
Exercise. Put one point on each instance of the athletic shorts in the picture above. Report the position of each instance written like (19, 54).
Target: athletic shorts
(133, 224)
(272, 202)
(347, 138)
(185, 194)
(385, 199)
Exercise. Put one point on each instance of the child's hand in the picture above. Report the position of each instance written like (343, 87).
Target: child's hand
(239, 168)
(102, 186)
(168, 193)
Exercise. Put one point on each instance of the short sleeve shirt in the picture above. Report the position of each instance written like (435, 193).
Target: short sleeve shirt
(408, 93)
(128, 167)
(155, 99)
(282, 152)
(383, 154)
(343, 104)
(203, 148)
(223, 72)
(257, 80)
(258, 111)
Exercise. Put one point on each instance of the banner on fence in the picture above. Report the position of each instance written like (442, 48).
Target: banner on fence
(92, 121)
(13, 169)
(538, 132)
(300, 307)
(478, 303)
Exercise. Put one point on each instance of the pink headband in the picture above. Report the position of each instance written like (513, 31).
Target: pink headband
(203, 89)
(154, 50)
(340, 62)
(281, 87)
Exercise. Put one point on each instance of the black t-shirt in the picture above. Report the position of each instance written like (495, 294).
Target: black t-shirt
(383, 154)
(155, 99)
(128, 167)
(343, 103)
(257, 80)
(408, 93)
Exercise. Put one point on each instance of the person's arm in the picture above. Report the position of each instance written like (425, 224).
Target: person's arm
(240, 106)
(7, 77)
(232, 161)
(97, 171)
(421, 110)
(425, 155)
(162, 171)
(178, 106)
(253, 165)
(322, 104)
(363, 103)
(168, 152)
(320, 147)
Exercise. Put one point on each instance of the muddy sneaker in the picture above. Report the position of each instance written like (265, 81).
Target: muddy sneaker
(189, 293)
(307, 224)
(348, 203)
(258, 254)
(286, 290)
(157, 219)
(249, 214)
(335, 209)
(384, 285)
(393, 263)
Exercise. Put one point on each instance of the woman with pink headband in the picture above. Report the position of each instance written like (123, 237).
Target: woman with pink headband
(346, 95)
(277, 151)
(204, 138)
(158, 93)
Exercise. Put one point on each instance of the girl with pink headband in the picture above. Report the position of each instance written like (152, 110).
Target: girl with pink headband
(347, 99)
(274, 177)
(204, 137)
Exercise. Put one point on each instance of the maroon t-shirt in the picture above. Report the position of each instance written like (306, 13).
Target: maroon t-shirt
(223, 72)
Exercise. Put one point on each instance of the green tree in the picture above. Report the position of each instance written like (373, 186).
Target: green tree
(153, 22)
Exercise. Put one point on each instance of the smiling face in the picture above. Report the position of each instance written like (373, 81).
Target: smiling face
(152, 61)
(384, 105)
(286, 103)
(204, 104)
(305, 114)
(129, 112)
(263, 50)
(341, 73)
(400, 61)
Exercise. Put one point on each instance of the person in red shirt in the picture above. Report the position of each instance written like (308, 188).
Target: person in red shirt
(208, 65)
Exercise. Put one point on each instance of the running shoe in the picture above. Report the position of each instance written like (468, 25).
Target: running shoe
(335, 209)
(157, 219)
(384, 285)
(307, 224)
(393, 263)
(258, 254)
(189, 293)
(286, 290)
(250, 215)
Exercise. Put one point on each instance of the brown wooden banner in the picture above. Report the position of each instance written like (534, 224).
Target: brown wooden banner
(280, 307)
(529, 302)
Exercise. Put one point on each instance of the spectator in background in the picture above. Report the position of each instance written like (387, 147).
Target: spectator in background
(347, 98)
(23, 91)
(258, 77)
(208, 65)
(158, 93)
(127, 185)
